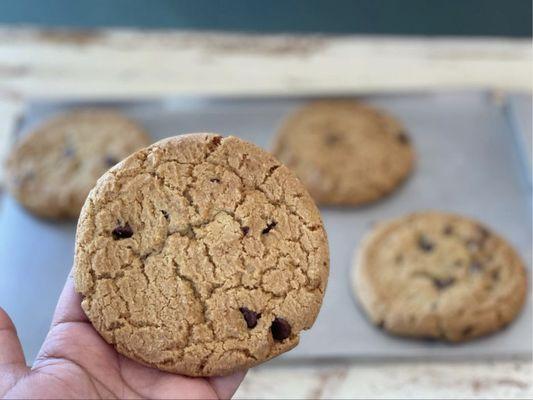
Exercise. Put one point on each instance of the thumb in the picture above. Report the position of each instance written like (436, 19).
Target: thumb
(11, 355)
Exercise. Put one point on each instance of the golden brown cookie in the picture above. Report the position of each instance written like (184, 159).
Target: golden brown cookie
(438, 275)
(201, 255)
(345, 152)
(52, 169)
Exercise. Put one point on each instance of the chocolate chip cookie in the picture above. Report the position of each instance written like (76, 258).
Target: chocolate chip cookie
(52, 169)
(438, 275)
(345, 152)
(201, 255)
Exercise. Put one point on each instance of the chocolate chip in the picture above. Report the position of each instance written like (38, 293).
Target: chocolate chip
(496, 275)
(250, 317)
(122, 232)
(475, 244)
(475, 266)
(443, 283)
(424, 244)
(245, 230)
(272, 169)
(269, 227)
(110, 161)
(483, 232)
(381, 324)
(448, 230)
(165, 214)
(215, 142)
(403, 138)
(331, 138)
(467, 330)
(214, 180)
(280, 329)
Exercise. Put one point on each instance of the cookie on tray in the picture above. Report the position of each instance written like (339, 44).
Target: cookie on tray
(201, 255)
(438, 275)
(345, 152)
(53, 168)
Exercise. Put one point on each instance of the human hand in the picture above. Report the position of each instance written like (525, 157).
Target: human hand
(75, 362)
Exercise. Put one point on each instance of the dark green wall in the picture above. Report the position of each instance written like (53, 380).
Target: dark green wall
(418, 17)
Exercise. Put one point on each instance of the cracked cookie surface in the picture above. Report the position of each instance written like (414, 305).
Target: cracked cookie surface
(52, 169)
(345, 152)
(201, 255)
(438, 275)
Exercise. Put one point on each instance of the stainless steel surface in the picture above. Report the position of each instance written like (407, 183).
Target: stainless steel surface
(467, 163)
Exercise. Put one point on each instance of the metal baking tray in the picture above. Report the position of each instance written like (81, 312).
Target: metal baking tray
(471, 160)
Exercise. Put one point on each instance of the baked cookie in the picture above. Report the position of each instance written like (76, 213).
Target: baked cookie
(345, 152)
(437, 275)
(52, 169)
(201, 255)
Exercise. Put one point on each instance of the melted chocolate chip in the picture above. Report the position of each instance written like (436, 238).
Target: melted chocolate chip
(280, 329)
(424, 244)
(496, 275)
(448, 230)
(403, 138)
(484, 233)
(250, 317)
(165, 214)
(122, 232)
(331, 139)
(245, 230)
(467, 330)
(215, 142)
(443, 283)
(110, 161)
(269, 227)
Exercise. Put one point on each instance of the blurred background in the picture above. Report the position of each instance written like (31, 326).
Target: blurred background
(148, 55)
(412, 17)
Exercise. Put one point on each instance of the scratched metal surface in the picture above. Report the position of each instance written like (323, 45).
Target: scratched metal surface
(470, 160)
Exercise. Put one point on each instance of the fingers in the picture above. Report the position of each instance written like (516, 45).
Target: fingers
(68, 307)
(226, 386)
(10, 348)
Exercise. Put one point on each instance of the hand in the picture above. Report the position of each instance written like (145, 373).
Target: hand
(75, 362)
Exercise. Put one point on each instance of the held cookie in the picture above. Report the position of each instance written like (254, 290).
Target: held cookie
(345, 152)
(437, 275)
(201, 255)
(51, 170)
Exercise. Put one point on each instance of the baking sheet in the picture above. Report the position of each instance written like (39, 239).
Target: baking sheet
(468, 162)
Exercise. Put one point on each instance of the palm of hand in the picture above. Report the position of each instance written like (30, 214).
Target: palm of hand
(75, 362)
